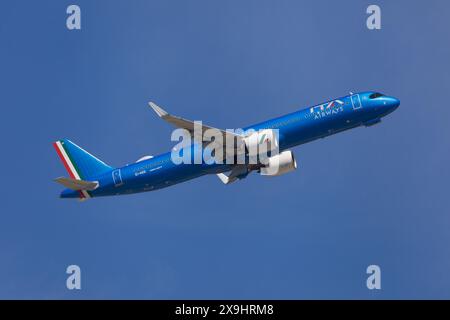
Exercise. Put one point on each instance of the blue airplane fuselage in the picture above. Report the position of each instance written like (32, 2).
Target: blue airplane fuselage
(365, 108)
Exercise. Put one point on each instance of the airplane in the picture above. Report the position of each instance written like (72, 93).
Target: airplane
(90, 177)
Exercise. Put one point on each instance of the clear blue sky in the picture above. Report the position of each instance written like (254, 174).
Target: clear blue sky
(368, 196)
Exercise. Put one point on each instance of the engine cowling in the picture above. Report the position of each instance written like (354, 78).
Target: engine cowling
(279, 164)
(261, 142)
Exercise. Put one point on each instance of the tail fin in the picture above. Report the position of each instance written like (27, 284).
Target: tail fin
(80, 164)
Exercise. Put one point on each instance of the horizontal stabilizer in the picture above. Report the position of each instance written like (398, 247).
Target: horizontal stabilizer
(75, 184)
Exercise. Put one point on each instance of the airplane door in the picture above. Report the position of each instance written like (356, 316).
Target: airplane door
(117, 177)
(356, 101)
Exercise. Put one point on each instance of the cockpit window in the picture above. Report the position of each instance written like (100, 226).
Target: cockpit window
(375, 95)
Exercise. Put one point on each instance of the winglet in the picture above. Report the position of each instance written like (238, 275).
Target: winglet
(226, 179)
(238, 172)
(159, 111)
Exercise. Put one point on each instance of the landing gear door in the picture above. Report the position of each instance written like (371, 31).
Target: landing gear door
(356, 101)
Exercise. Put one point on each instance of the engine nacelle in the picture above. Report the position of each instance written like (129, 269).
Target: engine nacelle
(261, 142)
(280, 164)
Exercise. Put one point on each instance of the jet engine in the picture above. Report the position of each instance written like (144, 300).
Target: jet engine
(279, 164)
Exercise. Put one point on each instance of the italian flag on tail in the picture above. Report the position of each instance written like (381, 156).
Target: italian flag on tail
(70, 165)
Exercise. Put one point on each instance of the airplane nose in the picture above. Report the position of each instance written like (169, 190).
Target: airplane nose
(392, 103)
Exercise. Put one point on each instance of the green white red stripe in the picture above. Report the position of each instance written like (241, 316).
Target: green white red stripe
(69, 165)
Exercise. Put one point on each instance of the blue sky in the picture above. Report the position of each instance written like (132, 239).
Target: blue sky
(374, 195)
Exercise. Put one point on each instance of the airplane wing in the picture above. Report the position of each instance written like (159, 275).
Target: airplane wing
(238, 171)
(190, 125)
